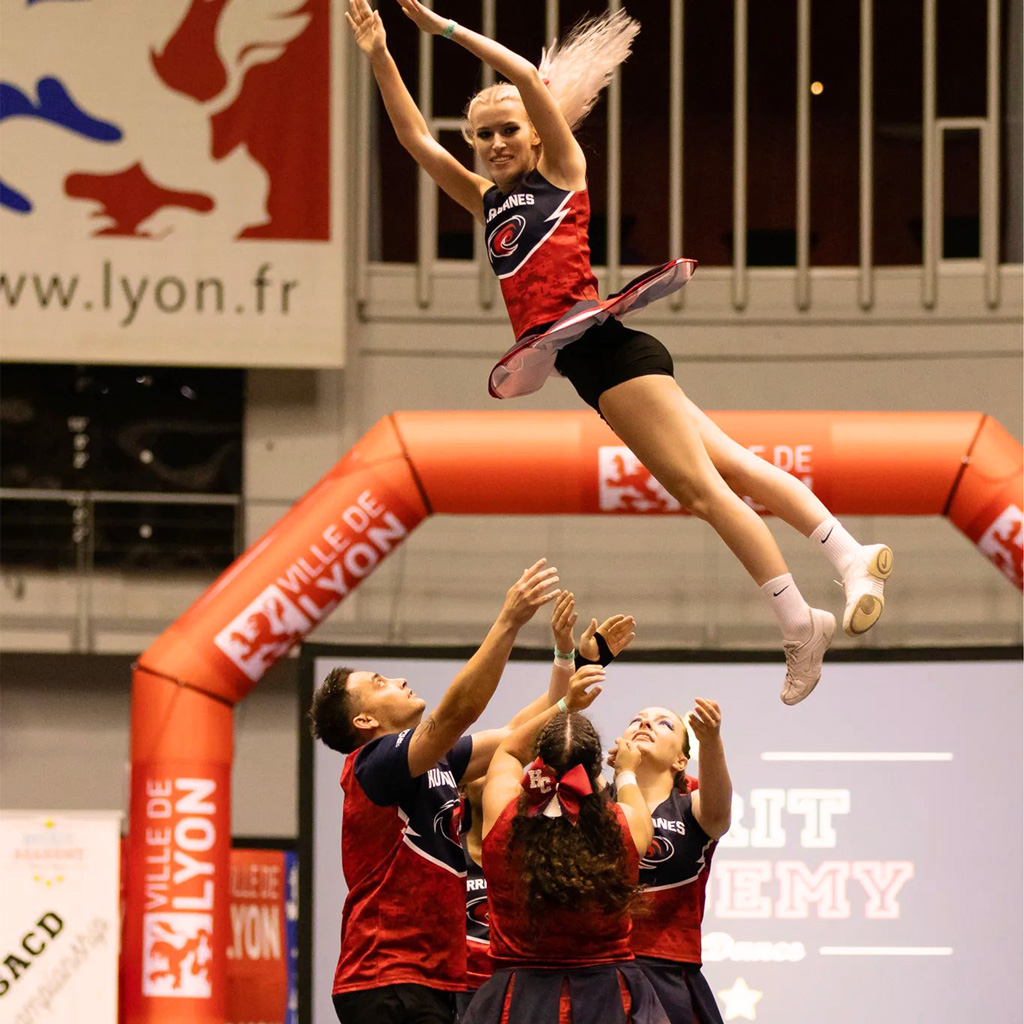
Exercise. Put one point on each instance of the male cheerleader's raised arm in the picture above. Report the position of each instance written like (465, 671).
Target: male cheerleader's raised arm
(466, 699)
(465, 187)
(553, 112)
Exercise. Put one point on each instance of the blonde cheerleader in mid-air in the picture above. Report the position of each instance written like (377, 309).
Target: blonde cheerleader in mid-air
(535, 211)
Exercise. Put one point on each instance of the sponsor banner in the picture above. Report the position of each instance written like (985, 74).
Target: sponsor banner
(263, 943)
(178, 814)
(60, 927)
(170, 191)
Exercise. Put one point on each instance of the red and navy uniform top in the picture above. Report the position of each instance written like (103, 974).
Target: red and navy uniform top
(674, 874)
(478, 927)
(402, 857)
(574, 936)
(538, 246)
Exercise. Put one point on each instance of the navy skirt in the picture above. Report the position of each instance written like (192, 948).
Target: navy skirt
(683, 991)
(594, 995)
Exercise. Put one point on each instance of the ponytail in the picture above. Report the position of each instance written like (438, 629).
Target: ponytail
(583, 64)
(575, 70)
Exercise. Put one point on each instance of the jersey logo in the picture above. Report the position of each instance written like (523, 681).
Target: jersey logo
(478, 911)
(503, 240)
(660, 850)
(448, 822)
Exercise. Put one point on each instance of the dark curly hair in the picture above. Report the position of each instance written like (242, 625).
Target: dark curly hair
(561, 864)
(331, 713)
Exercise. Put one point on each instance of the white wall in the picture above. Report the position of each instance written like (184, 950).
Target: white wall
(64, 740)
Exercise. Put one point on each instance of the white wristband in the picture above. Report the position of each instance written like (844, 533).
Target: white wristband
(625, 779)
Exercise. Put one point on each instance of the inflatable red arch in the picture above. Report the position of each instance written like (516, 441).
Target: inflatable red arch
(408, 466)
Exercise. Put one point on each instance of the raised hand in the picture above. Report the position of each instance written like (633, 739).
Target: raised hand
(529, 592)
(625, 757)
(584, 687)
(618, 631)
(426, 21)
(563, 618)
(366, 27)
(705, 719)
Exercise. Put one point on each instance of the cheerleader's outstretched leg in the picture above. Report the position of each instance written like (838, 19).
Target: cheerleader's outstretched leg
(650, 415)
(863, 568)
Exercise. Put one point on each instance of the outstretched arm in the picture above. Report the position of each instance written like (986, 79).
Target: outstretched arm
(506, 768)
(465, 187)
(467, 697)
(712, 803)
(562, 162)
(629, 797)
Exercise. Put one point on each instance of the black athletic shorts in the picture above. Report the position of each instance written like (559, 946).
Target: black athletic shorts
(396, 1004)
(610, 353)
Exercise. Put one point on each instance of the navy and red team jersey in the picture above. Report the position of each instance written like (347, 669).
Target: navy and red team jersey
(401, 853)
(674, 874)
(576, 936)
(537, 242)
(478, 929)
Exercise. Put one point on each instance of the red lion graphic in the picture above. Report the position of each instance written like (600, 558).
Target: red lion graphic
(638, 479)
(174, 956)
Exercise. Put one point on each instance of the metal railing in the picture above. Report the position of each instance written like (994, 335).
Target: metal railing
(934, 130)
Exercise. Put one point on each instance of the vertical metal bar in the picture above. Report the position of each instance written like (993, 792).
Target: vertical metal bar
(485, 278)
(551, 29)
(990, 164)
(364, 115)
(866, 286)
(614, 203)
(803, 154)
(931, 201)
(939, 184)
(739, 156)
(675, 141)
(426, 242)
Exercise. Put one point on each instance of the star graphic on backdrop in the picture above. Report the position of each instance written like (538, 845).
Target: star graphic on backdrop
(740, 1001)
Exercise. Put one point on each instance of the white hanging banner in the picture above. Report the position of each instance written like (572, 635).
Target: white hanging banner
(60, 927)
(171, 183)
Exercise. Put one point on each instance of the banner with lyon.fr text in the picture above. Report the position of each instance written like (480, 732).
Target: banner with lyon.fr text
(169, 188)
(60, 925)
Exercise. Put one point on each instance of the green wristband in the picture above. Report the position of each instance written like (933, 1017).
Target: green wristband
(571, 656)
(449, 29)
(562, 706)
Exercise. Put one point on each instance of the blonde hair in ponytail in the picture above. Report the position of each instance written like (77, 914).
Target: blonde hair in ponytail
(576, 70)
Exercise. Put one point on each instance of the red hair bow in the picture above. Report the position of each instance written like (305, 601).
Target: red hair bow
(548, 795)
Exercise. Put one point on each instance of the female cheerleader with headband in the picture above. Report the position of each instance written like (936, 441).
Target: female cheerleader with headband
(535, 211)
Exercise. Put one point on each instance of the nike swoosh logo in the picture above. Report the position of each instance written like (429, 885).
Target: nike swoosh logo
(777, 592)
(829, 534)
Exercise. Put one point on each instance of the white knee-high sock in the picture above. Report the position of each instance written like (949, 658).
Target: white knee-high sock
(790, 609)
(836, 543)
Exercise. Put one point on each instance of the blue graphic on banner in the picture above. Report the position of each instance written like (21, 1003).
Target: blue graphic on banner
(291, 934)
(55, 106)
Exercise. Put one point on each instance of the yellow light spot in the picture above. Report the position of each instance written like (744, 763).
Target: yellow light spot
(47, 824)
(48, 883)
(817, 88)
